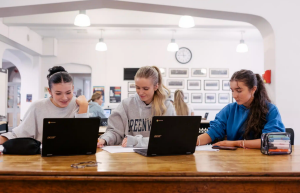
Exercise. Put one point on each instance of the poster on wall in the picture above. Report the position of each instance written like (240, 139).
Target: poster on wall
(100, 89)
(29, 98)
(115, 94)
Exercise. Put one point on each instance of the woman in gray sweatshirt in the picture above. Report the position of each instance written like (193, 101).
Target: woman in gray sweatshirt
(61, 104)
(130, 123)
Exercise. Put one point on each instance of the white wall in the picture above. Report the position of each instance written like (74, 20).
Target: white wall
(107, 67)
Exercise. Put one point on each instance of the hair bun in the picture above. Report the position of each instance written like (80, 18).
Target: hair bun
(55, 69)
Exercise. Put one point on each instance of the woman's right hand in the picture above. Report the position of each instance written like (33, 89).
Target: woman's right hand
(2, 140)
(101, 143)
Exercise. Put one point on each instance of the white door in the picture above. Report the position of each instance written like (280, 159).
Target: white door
(13, 104)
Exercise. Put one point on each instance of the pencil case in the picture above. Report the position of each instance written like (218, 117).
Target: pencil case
(278, 143)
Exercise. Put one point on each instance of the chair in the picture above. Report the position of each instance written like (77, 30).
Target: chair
(290, 131)
(4, 128)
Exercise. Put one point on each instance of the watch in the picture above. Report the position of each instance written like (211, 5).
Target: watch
(183, 55)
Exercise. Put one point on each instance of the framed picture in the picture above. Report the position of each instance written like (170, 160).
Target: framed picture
(131, 87)
(131, 94)
(210, 97)
(175, 84)
(211, 84)
(194, 84)
(224, 98)
(218, 72)
(198, 72)
(178, 72)
(186, 97)
(115, 94)
(163, 72)
(196, 97)
(171, 97)
(225, 85)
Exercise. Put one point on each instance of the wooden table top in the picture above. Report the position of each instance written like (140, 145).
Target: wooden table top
(241, 162)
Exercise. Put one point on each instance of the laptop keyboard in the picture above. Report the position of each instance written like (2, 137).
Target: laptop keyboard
(141, 151)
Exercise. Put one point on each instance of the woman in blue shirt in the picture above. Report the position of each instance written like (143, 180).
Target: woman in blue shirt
(245, 120)
(95, 108)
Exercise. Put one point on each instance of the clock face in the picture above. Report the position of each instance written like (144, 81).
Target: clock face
(183, 55)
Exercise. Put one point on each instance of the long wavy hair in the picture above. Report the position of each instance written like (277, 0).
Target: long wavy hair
(259, 106)
(181, 107)
(158, 107)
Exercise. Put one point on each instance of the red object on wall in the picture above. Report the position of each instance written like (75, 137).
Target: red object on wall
(267, 76)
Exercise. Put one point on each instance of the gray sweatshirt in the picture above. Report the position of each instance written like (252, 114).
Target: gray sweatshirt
(132, 118)
(32, 124)
(96, 110)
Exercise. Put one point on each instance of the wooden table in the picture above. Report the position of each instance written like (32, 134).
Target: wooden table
(242, 170)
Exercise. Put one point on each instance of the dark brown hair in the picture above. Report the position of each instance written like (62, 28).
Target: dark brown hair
(259, 106)
(57, 74)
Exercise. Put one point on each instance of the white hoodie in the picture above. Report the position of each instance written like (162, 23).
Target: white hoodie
(132, 118)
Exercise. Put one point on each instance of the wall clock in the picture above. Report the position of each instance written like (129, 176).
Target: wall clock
(183, 55)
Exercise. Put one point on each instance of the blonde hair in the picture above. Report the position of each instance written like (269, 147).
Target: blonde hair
(181, 107)
(158, 108)
(95, 96)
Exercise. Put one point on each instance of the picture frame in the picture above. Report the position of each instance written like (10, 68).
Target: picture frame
(224, 98)
(130, 94)
(196, 97)
(198, 72)
(178, 72)
(194, 84)
(175, 83)
(225, 85)
(218, 72)
(211, 84)
(186, 97)
(131, 87)
(163, 72)
(171, 97)
(210, 98)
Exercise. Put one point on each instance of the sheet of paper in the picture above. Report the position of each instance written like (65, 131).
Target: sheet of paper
(119, 149)
(1, 148)
(205, 148)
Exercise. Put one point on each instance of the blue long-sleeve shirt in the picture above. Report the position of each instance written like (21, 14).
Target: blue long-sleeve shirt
(231, 121)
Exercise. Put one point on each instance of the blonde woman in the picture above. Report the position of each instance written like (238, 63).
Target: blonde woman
(181, 107)
(95, 109)
(130, 123)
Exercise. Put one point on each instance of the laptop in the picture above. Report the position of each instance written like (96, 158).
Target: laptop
(70, 136)
(172, 135)
(107, 112)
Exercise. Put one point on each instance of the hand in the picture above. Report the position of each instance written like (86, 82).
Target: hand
(198, 141)
(124, 143)
(81, 100)
(227, 143)
(2, 140)
(101, 143)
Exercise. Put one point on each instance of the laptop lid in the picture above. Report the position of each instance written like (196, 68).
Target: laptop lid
(173, 135)
(70, 136)
(107, 112)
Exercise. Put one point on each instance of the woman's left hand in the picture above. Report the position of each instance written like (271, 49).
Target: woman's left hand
(226, 143)
(124, 143)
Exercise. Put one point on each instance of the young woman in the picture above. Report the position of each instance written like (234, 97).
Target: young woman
(181, 107)
(130, 123)
(245, 120)
(61, 104)
(95, 109)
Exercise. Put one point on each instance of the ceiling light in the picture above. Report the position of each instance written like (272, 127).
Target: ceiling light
(173, 46)
(82, 20)
(242, 47)
(186, 22)
(101, 46)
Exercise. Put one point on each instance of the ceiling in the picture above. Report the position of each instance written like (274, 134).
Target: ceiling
(124, 24)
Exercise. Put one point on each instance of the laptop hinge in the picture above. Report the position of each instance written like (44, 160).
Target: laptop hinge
(88, 152)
